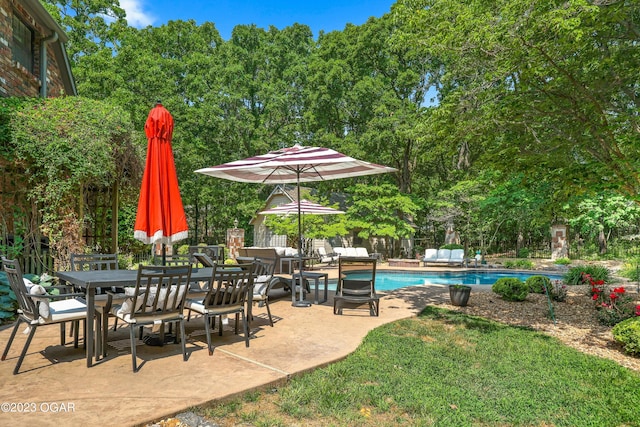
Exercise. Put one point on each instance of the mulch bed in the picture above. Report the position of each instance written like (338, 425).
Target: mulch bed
(576, 323)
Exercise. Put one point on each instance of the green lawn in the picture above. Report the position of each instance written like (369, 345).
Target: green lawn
(448, 369)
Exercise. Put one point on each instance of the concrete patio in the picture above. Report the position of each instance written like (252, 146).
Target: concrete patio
(57, 388)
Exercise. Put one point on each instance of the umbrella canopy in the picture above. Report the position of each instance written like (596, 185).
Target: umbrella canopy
(306, 207)
(295, 165)
(160, 217)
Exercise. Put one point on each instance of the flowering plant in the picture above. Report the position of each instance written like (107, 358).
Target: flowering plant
(613, 306)
(557, 291)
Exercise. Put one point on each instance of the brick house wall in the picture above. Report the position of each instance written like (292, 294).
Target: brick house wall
(17, 80)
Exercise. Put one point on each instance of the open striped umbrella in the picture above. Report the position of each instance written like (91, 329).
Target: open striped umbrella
(306, 208)
(295, 165)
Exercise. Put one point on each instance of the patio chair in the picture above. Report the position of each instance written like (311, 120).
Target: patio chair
(326, 258)
(262, 282)
(38, 308)
(356, 285)
(227, 293)
(158, 298)
(87, 262)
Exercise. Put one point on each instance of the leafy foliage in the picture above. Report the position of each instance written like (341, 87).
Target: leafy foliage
(511, 289)
(538, 284)
(576, 274)
(68, 146)
(627, 333)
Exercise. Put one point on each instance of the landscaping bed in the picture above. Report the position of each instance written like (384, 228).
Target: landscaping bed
(576, 323)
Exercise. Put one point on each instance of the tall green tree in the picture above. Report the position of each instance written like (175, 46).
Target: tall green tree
(548, 85)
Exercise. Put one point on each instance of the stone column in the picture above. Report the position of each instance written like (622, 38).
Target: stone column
(235, 240)
(559, 242)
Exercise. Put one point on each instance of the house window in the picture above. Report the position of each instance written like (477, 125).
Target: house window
(22, 49)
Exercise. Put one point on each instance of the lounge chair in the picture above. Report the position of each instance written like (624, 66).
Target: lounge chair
(326, 258)
(353, 292)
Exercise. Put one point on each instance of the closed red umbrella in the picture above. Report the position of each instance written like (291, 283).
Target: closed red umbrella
(160, 217)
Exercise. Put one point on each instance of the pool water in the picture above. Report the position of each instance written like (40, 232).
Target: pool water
(390, 280)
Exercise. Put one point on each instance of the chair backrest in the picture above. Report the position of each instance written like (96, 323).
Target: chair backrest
(322, 251)
(340, 251)
(430, 254)
(444, 254)
(263, 275)
(176, 260)
(457, 254)
(362, 252)
(160, 290)
(215, 252)
(229, 286)
(350, 252)
(16, 282)
(82, 262)
(356, 276)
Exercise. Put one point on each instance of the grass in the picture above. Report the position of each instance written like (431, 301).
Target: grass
(448, 369)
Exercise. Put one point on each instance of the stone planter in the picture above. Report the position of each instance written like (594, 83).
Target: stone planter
(459, 294)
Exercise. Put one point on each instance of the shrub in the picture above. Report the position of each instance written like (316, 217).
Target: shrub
(523, 253)
(558, 291)
(511, 289)
(612, 307)
(562, 261)
(537, 284)
(627, 333)
(523, 264)
(575, 275)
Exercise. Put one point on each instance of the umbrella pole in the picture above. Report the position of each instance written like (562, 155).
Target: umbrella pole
(301, 302)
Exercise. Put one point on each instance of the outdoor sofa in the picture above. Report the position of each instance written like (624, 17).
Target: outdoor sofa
(444, 256)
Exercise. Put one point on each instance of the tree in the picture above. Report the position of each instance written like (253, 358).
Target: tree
(549, 86)
(599, 216)
(380, 211)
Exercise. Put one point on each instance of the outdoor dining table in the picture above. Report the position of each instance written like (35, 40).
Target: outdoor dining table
(88, 281)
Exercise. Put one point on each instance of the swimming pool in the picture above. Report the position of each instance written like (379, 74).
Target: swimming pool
(387, 280)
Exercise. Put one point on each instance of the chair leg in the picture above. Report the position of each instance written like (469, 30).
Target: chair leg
(183, 339)
(105, 332)
(235, 328)
(13, 334)
(245, 325)
(76, 333)
(266, 302)
(207, 330)
(132, 335)
(24, 350)
(115, 324)
(63, 333)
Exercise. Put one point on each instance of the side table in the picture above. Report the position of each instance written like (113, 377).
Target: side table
(309, 275)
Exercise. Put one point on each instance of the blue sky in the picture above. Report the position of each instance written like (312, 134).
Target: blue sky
(327, 15)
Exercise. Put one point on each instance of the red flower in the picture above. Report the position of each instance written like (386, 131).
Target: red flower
(599, 282)
(619, 290)
(613, 295)
(637, 310)
(595, 290)
(595, 297)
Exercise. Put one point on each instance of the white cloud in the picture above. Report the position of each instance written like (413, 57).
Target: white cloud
(136, 17)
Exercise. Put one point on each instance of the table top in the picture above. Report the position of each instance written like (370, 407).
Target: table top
(105, 278)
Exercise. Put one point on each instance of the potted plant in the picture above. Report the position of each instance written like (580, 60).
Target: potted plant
(459, 294)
